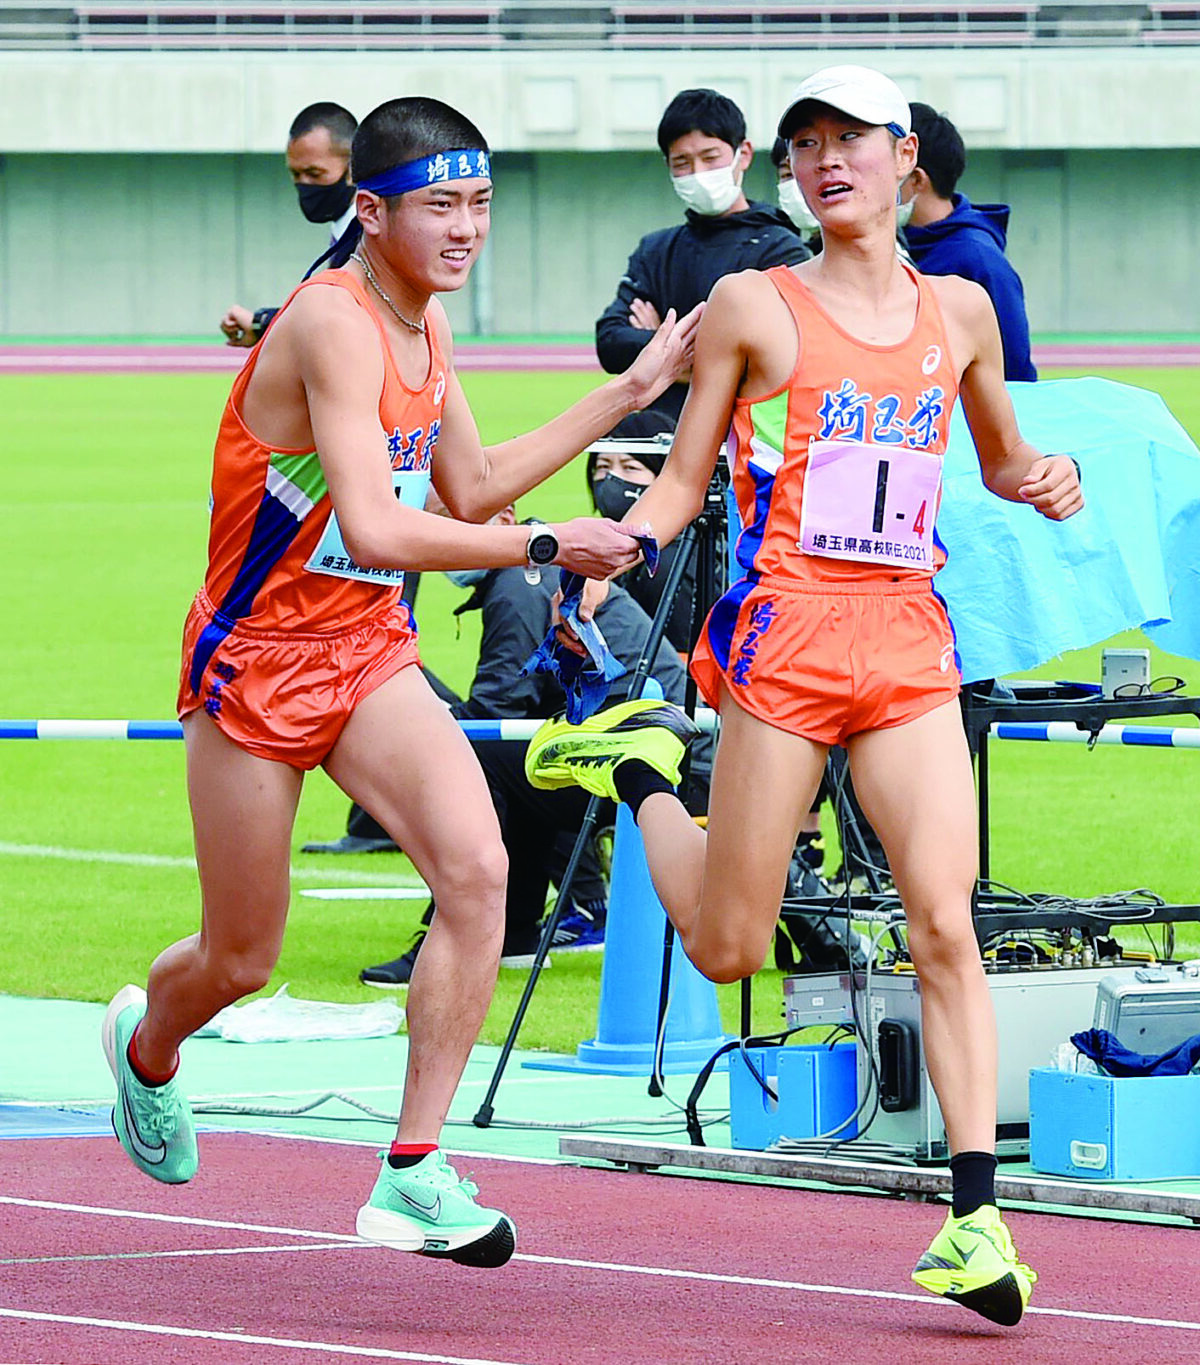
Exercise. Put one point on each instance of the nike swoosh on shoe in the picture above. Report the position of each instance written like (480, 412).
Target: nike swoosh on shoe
(430, 1211)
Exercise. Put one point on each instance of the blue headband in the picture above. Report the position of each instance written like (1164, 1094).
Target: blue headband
(429, 170)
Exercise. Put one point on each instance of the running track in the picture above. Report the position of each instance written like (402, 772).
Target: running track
(179, 359)
(252, 1264)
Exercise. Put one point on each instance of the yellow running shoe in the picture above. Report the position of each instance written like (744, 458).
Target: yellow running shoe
(586, 755)
(972, 1260)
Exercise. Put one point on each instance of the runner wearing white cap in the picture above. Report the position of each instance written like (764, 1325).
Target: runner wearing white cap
(835, 380)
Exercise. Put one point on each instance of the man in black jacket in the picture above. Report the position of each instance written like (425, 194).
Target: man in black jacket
(318, 160)
(702, 136)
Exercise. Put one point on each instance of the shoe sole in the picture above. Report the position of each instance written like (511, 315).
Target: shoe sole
(584, 737)
(999, 1302)
(485, 1245)
(384, 985)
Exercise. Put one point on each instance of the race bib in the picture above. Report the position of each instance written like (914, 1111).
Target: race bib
(872, 503)
(331, 555)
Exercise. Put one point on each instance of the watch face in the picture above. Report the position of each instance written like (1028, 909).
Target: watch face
(543, 547)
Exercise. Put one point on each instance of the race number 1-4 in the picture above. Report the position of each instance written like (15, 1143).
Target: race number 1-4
(870, 502)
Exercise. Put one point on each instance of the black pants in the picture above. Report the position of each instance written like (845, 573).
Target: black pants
(538, 829)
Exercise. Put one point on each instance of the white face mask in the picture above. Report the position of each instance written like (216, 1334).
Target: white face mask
(904, 211)
(708, 192)
(791, 201)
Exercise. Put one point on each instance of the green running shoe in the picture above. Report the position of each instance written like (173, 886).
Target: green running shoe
(587, 755)
(426, 1208)
(972, 1260)
(152, 1123)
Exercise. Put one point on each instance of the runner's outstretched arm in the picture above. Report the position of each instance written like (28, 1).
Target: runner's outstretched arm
(339, 364)
(476, 481)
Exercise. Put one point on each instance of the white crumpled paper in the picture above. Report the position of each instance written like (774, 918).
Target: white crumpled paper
(281, 1019)
(1067, 1057)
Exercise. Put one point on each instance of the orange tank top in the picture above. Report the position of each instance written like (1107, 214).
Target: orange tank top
(837, 473)
(276, 560)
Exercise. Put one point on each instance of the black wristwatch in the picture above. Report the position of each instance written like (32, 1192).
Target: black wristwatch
(541, 549)
(261, 321)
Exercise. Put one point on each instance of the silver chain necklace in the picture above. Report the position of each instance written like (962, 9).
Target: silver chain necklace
(418, 327)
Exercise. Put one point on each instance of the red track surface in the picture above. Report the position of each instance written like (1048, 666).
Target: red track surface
(611, 1269)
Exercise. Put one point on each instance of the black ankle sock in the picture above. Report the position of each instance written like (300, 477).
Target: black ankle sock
(635, 780)
(401, 1160)
(973, 1181)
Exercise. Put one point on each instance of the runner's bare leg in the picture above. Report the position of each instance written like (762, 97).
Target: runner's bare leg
(403, 757)
(723, 890)
(243, 809)
(914, 784)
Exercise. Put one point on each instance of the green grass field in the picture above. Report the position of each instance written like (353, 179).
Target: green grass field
(105, 517)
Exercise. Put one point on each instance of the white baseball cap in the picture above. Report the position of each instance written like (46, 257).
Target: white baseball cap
(860, 91)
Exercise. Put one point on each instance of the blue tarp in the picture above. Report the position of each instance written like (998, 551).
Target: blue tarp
(1021, 589)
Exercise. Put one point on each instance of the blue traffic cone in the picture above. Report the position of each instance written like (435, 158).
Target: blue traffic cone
(630, 979)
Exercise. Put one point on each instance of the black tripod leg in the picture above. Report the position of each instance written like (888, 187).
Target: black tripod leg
(655, 1086)
(641, 671)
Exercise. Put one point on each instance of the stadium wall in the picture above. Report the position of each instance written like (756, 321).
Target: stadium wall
(142, 193)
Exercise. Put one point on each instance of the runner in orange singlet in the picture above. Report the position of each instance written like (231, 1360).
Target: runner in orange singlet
(835, 380)
(298, 651)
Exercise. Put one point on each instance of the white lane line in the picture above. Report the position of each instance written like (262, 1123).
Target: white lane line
(617, 1267)
(286, 1343)
(394, 880)
(845, 1291)
(290, 1248)
(179, 1219)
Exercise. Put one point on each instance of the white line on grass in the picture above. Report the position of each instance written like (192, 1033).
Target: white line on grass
(302, 874)
(620, 1268)
(288, 1343)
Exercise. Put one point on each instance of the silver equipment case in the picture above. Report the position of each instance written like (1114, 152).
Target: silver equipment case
(1035, 1010)
(1152, 1009)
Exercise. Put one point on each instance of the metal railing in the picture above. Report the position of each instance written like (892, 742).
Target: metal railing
(407, 25)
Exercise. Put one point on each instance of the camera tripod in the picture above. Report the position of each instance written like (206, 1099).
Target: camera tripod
(702, 542)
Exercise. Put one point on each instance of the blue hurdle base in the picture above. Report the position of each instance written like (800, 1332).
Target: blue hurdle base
(679, 1059)
(627, 1018)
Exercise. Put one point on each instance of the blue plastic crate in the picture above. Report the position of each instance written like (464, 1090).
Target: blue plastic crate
(817, 1088)
(1114, 1128)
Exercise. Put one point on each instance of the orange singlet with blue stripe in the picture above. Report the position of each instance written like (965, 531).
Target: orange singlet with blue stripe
(289, 632)
(834, 627)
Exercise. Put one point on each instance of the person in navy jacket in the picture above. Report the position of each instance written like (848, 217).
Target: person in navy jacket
(948, 235)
